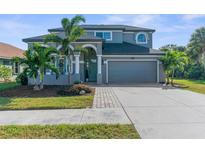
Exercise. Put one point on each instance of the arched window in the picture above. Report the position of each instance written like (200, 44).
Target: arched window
(141, 38)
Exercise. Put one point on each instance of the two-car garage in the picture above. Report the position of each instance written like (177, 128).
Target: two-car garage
(124, 71)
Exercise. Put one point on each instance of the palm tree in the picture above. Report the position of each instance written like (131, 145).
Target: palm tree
(43, 56)
(72, 32)
(30, 65)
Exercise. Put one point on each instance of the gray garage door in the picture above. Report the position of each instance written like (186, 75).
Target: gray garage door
(132, 72)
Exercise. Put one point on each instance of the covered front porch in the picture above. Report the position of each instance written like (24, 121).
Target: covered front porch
(85, 67)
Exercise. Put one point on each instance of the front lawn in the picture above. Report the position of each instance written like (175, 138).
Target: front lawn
(192, 85)
(72, 102)
(24, 98)
(88, 131)
(8, 85)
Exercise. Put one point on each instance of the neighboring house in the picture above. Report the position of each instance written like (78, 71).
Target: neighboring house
(117, 54)
(7, 52)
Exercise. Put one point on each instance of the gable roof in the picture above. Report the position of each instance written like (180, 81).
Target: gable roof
(9, 51)
(107, 27)
(126, 48)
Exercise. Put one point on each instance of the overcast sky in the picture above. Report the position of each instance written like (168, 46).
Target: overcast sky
(175, 29)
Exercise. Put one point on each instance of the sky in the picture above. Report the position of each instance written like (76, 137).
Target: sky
(170, 28)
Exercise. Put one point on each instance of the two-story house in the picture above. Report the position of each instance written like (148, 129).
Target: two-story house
(117, 54)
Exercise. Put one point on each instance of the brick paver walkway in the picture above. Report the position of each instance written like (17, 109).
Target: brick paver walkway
(105, 98)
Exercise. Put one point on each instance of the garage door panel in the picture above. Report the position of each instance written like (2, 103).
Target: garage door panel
(132, 71)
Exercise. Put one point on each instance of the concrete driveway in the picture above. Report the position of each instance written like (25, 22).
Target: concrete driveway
(159, 113)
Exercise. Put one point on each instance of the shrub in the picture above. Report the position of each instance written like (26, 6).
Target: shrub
(195, 71)
(75, 89)
(5, 73)
(22, 78)
(77, 82)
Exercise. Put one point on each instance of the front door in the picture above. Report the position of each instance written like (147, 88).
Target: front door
(90, 66)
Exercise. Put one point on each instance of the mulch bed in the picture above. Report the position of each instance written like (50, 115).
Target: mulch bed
(27, 91)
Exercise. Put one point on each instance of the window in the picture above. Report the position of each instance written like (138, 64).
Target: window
(141, 38)
(105, 35)
(15, 68)
(6, 62)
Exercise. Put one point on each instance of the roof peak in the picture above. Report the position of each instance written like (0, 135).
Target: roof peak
(9, 51)
(107, 26)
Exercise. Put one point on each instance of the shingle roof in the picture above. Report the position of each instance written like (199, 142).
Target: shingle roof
(39, 38)
(125, 49)
(108, 27)
(82, 38)
(9, 51)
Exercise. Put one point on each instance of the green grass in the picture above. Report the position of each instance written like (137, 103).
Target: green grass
(74, 102)
(192, 85)
(8, 85)
(88, 131)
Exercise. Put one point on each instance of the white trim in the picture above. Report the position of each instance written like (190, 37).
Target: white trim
(129, 32)
(131, 60)
(103, 31)
(136, 38)
(6, 58)
(91, 46)
(71, 47)
(71, 67)
(156, 51)
(130, 56)
(77, 64)
(87, 42)
(66, 64)
(158, 71)
(106, 71)
(108, 60)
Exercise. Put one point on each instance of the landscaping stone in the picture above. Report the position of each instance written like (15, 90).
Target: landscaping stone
(82, 92)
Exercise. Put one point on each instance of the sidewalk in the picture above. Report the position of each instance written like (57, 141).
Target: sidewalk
(64, 116)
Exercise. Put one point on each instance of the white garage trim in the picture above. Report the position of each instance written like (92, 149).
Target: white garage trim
(130, 56)
(128, 60)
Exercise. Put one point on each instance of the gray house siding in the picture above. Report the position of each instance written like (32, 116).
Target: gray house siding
(131, 38)
(117, 37)
(51, 80)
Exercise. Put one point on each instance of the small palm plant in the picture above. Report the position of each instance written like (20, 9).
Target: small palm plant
(172, 61)
(36, 60)
(29, 62)
(72, 32)
(43, 56)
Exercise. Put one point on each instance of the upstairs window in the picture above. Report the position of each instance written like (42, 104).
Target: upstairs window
(105, 35)
(141, 38)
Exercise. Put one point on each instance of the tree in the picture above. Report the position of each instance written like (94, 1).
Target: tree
(172, 47)
(196, 46)
(5, 73)
(72, 32)
(172, 61)
(43, 56)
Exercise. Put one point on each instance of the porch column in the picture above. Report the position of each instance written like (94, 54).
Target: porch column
(99, 70)
(77, 63)
(99, 63)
